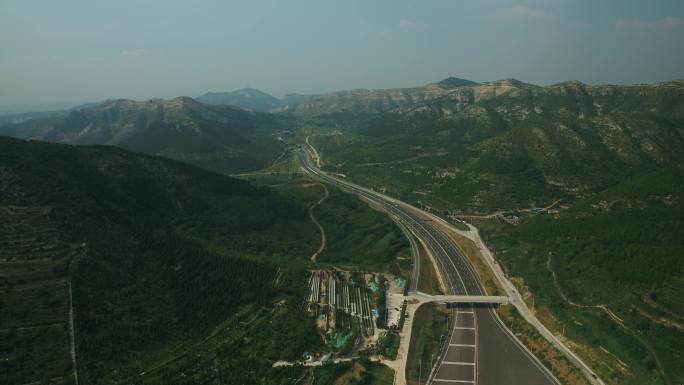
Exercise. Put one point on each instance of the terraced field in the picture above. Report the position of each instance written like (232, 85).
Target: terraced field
(34, 298)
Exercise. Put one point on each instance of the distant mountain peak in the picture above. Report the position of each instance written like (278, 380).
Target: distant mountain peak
(570, 83)
(251, 92)
(181, 102)
(511, 83)
(453, 82)
(177, 103)
(246, 98)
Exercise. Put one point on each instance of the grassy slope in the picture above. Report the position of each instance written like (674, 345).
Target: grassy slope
(429, 325)
(356, 373)
(360, 236)
(357, 236)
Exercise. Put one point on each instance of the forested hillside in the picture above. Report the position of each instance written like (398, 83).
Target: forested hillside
(618, 252)
(220, 138)
(507, 145)
(113, 226)
(173, 274)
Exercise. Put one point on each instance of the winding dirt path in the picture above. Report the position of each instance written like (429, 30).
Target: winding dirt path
(315, 221)
(601, 306)
(72, 336)
(614, 317)
(500, 213)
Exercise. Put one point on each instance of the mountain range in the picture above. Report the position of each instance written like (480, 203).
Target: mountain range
(247, 98)
(507, 144)
(358, 100)
(220, 138)
(147, 240)
(471, 141)
(567, 138)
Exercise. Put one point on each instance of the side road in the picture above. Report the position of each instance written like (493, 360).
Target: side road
(516, 299)
(315, 221)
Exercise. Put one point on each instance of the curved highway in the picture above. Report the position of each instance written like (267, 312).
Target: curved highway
(479, 349)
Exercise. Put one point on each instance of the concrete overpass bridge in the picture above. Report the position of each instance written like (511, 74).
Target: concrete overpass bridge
(464, 299)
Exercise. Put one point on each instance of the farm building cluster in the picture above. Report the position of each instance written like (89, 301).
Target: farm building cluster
(350, 307)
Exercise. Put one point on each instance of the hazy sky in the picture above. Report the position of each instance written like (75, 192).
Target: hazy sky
(61, 52)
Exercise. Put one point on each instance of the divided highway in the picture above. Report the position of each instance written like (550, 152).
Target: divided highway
(479, 349)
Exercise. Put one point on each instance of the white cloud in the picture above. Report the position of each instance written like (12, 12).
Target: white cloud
(137, 52)
(645, 25)
(403, 23)
(519, 11)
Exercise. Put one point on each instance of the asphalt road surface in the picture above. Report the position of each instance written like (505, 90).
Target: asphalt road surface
(479, 349)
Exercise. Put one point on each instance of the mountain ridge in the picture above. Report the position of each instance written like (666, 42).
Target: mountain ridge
(505, 145)
(222, 138)
(247, 98)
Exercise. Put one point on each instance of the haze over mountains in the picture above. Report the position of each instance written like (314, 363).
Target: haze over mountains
(564, 139)
(610, 155)
(220, 138)
(161, 224)
(247, 98)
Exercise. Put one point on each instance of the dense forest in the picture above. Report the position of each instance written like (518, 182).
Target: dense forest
(621, 248)
(178, 275)
(144, 293)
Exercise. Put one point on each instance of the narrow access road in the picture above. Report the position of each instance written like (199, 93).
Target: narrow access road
(72, 335)
(315, 221)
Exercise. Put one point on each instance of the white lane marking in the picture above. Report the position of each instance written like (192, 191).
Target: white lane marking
(458, 363)
(459, 381)
(463, 345)
(463, 328)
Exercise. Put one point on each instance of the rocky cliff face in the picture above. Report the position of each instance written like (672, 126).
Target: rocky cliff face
(405, 99)
(367, 101)
(453, 93)
(513, 143)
